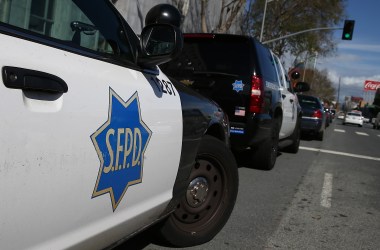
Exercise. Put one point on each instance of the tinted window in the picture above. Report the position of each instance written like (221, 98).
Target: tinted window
(211, 55)
(70, 22)
(354, 114)
(283, 76)
(309, 102)
(267, 64)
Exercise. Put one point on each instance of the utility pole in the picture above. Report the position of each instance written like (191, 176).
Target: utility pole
(262, 23)
(337, 102)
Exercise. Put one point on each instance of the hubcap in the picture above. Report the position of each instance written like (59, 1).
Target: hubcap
(197, 192)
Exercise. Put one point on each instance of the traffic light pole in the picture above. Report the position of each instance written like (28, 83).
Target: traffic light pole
(301, 32)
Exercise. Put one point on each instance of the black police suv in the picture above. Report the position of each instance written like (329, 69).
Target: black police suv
(239, 74)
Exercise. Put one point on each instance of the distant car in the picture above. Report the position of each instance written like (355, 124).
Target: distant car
(313, 116)
(340, 115)
(366, 119)
(376, 121)
(353, 117)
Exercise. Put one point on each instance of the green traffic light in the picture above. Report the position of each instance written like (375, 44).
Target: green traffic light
(348, 29)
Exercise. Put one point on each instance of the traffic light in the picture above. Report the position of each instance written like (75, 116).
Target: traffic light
(348, 29)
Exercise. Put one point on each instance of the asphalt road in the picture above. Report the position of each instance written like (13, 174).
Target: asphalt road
(325, 197)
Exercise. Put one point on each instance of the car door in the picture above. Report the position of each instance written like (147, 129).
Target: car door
(289, 104)
(89, 144)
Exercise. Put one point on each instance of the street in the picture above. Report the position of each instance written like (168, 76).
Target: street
(327, 196)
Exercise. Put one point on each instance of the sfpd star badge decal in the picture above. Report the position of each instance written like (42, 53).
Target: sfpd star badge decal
(120, 144)
(238, 86)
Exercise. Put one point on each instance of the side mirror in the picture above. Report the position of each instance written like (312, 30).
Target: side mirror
(160, 43)
(301, 87)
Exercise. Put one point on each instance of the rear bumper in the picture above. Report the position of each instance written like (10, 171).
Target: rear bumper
(354, 121)
(311, 125)
(251, 134)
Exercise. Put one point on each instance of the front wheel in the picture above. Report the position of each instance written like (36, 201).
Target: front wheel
(320, 135)
(209, 199)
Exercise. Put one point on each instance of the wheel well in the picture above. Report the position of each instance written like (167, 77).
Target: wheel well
(216, 131)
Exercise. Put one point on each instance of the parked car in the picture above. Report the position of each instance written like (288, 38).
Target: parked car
(376, 121)
(240, 74)
(366, 119)
(340, 115)
(353, 117)
(97, 143)
(313, 117)
(290, 132)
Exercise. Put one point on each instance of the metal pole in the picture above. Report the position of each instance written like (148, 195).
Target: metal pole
(304, 67)
(262, 24)
(300, 32)
(337, 105)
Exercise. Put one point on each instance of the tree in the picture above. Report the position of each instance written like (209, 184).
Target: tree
(320, 84)
(228, 14)
(182, 6)
(285, 17)
(210, 16)
(376, 101)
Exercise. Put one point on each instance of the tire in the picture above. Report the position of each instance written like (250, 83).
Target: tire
(195, 222)
(296, 138)
(266, 155)
(320, 135)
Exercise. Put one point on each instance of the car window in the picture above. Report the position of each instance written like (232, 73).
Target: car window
(354, 114)
(210, 55)
(268, 64)
(309, 102)
(69, 22)
(284, 79)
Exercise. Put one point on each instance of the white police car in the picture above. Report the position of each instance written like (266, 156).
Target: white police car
(96, 143)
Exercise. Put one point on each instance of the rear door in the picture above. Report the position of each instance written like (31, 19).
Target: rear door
(88, 145)
(289, 102)
(217, 66)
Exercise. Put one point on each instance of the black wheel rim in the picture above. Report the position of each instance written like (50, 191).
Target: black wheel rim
(196, 212)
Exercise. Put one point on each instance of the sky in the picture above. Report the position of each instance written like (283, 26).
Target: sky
(358, 59)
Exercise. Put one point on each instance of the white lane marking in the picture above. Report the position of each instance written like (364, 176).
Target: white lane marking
(340, 153)
(340, 130)
(327, 191)
(361, 133)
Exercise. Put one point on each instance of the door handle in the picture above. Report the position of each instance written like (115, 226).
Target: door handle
(27, 79)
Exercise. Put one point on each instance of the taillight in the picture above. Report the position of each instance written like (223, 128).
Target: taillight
(318, 114)
(257, 95)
